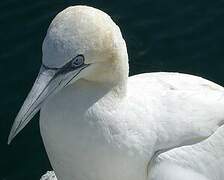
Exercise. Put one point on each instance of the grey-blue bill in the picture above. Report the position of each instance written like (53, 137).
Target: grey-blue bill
(49, 81)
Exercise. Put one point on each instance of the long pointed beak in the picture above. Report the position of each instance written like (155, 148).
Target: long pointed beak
(35, 98)
(48, 83)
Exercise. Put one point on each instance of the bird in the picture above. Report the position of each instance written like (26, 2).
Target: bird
(98, 123)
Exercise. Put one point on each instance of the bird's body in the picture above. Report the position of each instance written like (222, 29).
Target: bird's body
(96, 134)
(201, 161)
(96, 122)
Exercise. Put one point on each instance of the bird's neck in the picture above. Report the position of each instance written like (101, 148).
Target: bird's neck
(118, 72)
(112, 73)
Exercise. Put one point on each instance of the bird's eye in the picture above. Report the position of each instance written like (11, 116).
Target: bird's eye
(78, 61)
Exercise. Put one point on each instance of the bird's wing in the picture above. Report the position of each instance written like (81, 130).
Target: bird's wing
(182, 109)
(169, 171)
(205, 158)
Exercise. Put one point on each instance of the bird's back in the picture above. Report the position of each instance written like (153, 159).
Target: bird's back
(184, 109)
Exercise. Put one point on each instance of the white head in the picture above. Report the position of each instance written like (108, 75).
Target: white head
(81, 43)
(83, 30)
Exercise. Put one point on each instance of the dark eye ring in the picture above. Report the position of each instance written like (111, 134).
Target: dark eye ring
(78, 61)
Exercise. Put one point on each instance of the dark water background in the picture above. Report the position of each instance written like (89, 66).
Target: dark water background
(176, 35)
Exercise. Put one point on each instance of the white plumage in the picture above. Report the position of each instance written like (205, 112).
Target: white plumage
(99, 124)
(204, 160)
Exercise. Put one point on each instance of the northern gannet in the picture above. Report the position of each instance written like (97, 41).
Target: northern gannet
(96, 122)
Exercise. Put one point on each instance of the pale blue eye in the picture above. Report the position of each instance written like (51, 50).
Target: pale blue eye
(78, 61)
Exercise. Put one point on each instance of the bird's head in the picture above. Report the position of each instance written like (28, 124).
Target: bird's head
(81, 43)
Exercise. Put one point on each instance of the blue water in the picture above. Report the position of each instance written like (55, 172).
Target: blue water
(185, 36)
